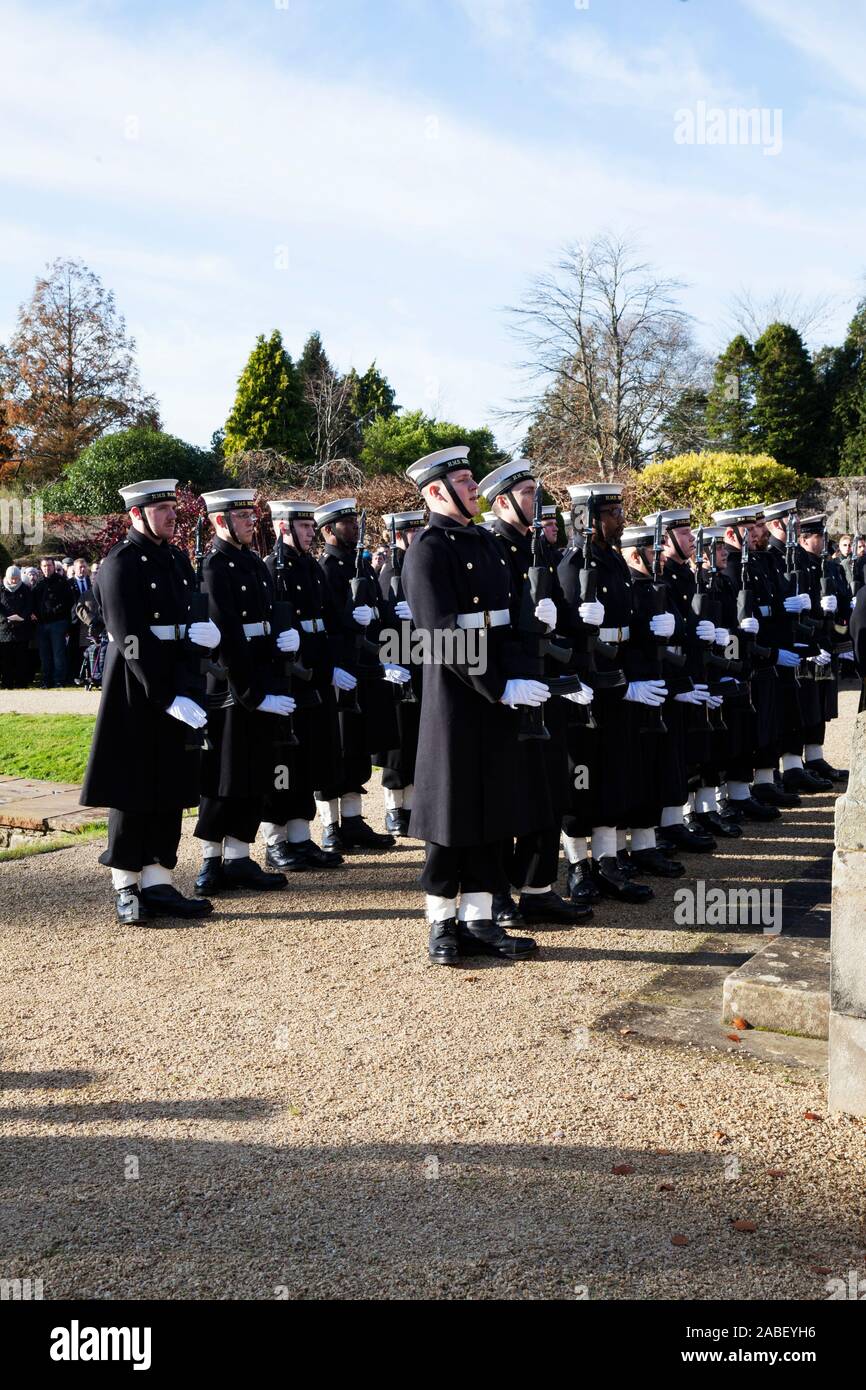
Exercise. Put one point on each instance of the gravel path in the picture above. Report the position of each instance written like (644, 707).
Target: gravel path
(69, 700)
(290, 1099)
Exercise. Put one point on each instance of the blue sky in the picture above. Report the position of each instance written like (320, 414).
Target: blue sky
(393, 172)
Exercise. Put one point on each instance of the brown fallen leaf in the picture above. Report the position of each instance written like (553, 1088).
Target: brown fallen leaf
(622, 1168)
(624, 1097)
(733, 1037)
(810, 1115)
(666, 1187)
(775, 1173)
(822, 1269)
(741, 1023)
(661, 1151)
(624, 1032)
(744, 1225)
(720, 1135)
(679, 1240)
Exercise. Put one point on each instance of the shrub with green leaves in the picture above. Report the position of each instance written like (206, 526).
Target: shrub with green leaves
(708, 482)
(89, 486)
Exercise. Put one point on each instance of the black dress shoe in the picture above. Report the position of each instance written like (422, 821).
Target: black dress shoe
(246, 873)
(163, 900)
(689, 839)
(489, 939)
(747, 808)
(397, 822)
(819, 767)
(797, 779)
(550, 907)
(625, 863)
(581, 884)
(714, 824)
(663, 843)
(332, 839)
(357, 834)
(652, 861)
(505, 911)
(613, 883)
(128, 907)
(211, 879)
(772, 794)
(300, 855)
(442, 945)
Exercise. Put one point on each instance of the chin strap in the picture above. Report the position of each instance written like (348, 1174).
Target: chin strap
(517, 507)
(147, 526)
(449, 488)
(676, 545)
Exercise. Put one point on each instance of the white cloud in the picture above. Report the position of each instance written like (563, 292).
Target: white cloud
(833, 32)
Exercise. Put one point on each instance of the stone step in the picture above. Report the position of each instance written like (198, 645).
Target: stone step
(784, 987)
(29, 804)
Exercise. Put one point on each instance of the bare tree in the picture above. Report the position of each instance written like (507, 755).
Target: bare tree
(609, 352)
(329, 397)
(331, 474)
(751, 316)
(69, 371)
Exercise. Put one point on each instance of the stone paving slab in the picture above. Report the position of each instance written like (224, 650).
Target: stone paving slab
(785, 987)
(29, 804)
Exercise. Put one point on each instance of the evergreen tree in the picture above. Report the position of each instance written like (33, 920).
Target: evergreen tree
(841, 375)
(369, 397)
(731, 401)
(268, 412)
(684, 428)
(391, 443)
(787, 411)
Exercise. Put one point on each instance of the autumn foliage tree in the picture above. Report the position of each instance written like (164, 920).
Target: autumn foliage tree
(68, 374)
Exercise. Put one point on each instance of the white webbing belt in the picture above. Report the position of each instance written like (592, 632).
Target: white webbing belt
(312, 625)
(496, 617)
(614, 634)
(257, 629)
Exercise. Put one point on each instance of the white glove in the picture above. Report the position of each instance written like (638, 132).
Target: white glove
(583, 696)
(662, 624)
(187, 711)
(693, 697)
(793, 604)
(805, 602)
(524, 692)
(822, 659)
(705, 631)
(829, 603)
(749, 625)
(342, 680)
(277, 704)
(713, 701)
(204, 634)
(723, 637)
(846, 656)
(545, 612)
(363, 615)
(289, 641)
(786, 658)
(403, 611)
(647, 692)
(592, 613)
(397, 675)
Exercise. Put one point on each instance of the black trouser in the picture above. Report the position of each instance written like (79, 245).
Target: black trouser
(238, 816)
(532, 861)
(13, 665)
(136, 840)
(452, 869)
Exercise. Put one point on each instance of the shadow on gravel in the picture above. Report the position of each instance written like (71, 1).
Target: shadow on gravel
(45, 1080)
(231, 1109)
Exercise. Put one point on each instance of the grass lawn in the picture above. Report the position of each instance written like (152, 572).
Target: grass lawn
(53, 747)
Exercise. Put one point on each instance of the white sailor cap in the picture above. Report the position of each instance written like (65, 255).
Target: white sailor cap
(600, 493)
(739, 516)
(549, 511)
(335, 511)
(813, 525)
(404, 521)
(506, 476)
(148, 492)
(712, 533)
(637, 535)
(674, 516)
(777, 511)
(432, 466)
(229, 499)
(292, 510)
(487, 519)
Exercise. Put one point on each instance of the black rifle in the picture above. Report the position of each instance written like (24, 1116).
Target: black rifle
(589, 645)
(536, 643)
(199, 660)
(406, 694)
(658, 602)
(803, 630)
(747, 645)
(834, 635)
(291, 667)
(857, 562)
(708, 609)
(364, 593)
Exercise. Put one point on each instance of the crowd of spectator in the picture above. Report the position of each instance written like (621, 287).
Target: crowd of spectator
(43, 622)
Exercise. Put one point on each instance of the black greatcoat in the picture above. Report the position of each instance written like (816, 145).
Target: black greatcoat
(248, 745)
(138, 759)
(376, 726)
(466, 791)
(398, 763)
(316, 760)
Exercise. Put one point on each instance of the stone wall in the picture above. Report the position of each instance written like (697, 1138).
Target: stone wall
(844, 501)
